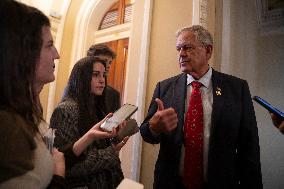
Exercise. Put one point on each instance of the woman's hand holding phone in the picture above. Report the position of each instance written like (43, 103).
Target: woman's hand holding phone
(95, 133)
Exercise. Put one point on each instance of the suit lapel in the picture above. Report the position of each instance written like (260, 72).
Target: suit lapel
(218, 99)
(179, 96)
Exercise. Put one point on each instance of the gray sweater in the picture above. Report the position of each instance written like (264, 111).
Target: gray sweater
(98, 167)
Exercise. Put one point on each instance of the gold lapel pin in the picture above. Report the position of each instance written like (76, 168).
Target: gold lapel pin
(218, 91)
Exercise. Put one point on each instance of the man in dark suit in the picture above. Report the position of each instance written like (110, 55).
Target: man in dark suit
(105, 53)
(231, 157)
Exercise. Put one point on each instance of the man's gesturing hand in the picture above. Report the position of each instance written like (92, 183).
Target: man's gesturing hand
(164, 120)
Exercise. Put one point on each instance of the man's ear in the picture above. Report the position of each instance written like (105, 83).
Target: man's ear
(209, 50)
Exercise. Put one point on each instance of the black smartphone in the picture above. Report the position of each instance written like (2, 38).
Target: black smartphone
(129, 129)
(269, 107)
(119, 116)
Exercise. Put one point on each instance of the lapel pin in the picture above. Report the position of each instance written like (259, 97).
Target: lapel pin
(218, 91)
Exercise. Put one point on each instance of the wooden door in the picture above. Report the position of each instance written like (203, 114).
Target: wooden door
(116, 77)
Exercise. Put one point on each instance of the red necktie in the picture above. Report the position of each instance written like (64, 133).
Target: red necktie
(193, 137)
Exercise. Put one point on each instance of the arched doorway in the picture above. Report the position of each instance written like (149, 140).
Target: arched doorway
(118, 15)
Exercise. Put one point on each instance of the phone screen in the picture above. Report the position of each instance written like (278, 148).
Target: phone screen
(120, 115)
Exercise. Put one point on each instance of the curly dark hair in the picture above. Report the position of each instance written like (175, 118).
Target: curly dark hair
(101, 49)
(92, 108)
(20, 46)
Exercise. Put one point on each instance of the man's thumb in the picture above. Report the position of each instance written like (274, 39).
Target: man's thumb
(160, 104)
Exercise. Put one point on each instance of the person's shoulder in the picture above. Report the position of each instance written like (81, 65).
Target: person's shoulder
(110, 89)
(67, 106)
(14, 126)
(9, 117)
(228, 77)
(174, 78)
(65, 113)
(17, 146)
(7, 120)
(6, 115)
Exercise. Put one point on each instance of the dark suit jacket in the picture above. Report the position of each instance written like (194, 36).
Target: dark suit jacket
(233, 158)
(112, 99)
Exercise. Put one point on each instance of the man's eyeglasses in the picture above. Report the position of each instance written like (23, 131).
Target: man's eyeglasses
(187, 48)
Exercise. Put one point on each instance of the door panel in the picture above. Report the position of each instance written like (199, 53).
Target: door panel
(116, 77)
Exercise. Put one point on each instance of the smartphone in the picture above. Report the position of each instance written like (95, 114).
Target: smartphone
(129, 129)
(269, 107)
(119, 116)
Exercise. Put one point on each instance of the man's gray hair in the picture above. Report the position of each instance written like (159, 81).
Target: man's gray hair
(202, 34)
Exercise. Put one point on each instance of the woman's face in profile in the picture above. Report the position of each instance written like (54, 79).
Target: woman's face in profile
(98, 79)
(45, 65)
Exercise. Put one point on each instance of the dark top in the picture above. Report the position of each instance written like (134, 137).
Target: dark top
(98, 166)
(112, 99)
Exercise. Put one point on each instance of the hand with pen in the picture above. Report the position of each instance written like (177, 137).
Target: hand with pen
(278, 122)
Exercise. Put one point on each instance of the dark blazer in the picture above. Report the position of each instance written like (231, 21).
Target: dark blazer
(233, 158)
(112, 99)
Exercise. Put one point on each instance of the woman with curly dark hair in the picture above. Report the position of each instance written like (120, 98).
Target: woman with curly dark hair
(82, 106)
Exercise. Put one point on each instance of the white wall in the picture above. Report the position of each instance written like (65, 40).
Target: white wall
(259, 60)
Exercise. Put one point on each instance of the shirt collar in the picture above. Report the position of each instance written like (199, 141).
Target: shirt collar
(205, 80)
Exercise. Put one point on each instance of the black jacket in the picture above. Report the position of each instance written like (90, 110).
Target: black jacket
(112, 99)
